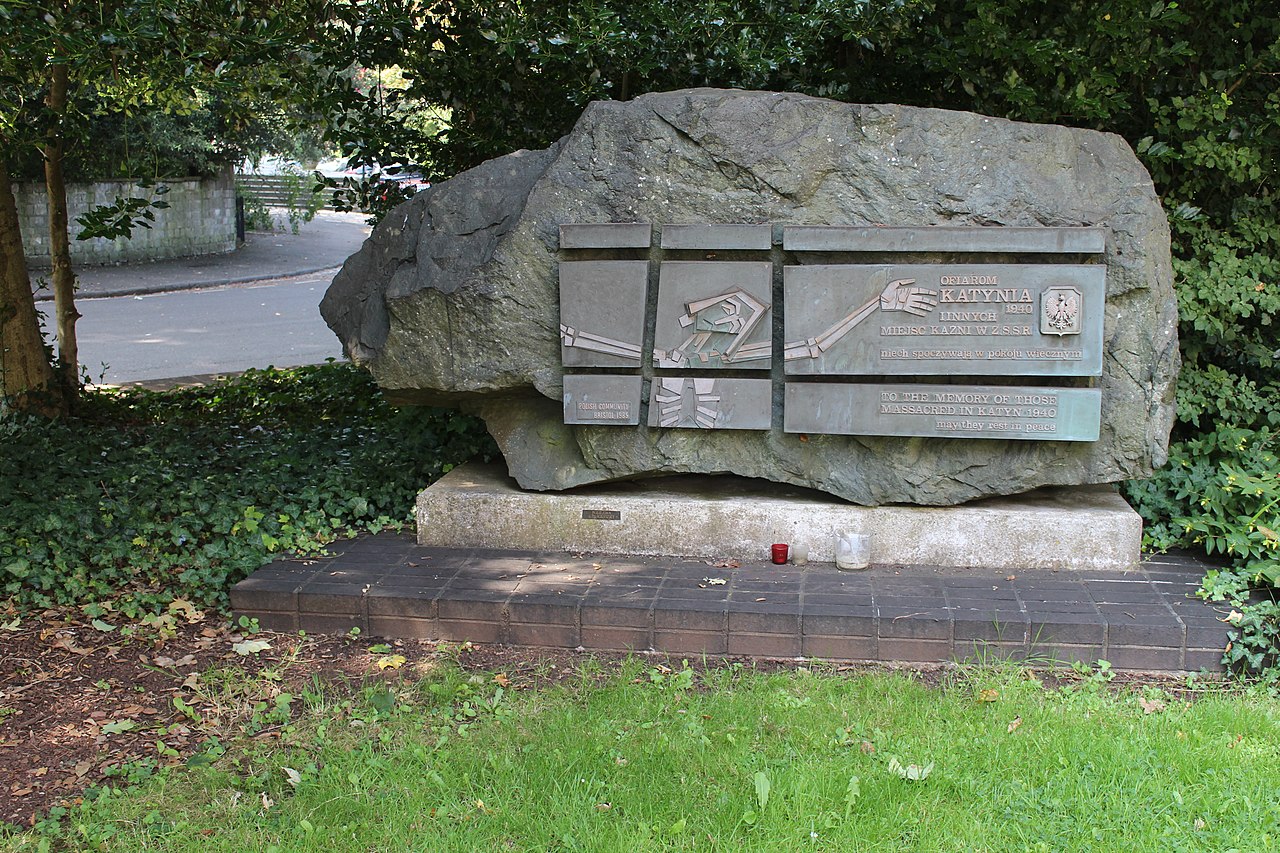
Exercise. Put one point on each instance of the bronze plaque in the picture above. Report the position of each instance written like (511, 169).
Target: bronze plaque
(602, 312)
(602, 400)
(944, 411)
(944, 319)
(714, 314)
(708, 402)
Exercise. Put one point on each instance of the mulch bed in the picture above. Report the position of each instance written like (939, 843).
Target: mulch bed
(80, 704)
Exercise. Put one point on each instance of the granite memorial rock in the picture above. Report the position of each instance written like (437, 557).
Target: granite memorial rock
(885, 303)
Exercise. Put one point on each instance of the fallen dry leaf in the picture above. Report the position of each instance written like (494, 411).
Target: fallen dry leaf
(988, 695)
(1014, 723)
(391, 661)
(1151, 706)
(501, 679)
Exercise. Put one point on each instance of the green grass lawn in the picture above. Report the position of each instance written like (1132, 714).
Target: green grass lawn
(643, 758)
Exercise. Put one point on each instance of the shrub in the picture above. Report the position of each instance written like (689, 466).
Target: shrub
(144, 497)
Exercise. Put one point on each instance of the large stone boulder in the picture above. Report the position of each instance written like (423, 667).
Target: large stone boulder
(454, 300)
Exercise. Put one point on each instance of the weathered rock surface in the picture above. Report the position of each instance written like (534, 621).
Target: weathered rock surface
(454, 297)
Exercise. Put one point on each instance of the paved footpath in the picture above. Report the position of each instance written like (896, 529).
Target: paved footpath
(1146, 619)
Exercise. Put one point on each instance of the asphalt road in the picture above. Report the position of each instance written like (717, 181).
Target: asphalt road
(217, 330)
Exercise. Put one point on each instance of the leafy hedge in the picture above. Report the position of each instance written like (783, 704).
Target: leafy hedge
(144, 497)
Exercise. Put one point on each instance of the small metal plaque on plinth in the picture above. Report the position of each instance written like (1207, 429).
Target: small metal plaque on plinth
(696, 402)
(714, 314)
(939, 319)
(944, 411)
(602, 400)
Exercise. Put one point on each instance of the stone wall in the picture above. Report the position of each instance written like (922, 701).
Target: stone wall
(200, 220)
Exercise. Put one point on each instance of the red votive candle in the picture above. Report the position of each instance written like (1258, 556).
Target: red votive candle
(780, 554)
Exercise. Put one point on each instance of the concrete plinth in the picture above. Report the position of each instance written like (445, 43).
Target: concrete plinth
(479, 506)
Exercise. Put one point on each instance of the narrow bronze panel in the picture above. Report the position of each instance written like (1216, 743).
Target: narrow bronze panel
(606, 235)
(704, 236)
(944, 238)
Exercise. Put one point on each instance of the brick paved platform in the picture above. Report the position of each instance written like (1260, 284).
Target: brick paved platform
(388, 586)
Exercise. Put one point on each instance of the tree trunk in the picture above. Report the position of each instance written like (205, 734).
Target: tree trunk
(64, 277)
(26, 379)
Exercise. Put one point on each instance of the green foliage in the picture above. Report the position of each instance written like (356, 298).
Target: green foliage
(257, 216)
(113, 221)
(746, 760)
(145, 497)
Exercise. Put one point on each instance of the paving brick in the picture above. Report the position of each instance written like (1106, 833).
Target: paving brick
(990, 625)
(470, 610)
(899, 604)
(620, 597)
(825, 620)
(1163, 634)
(969, 602)
(542, 634)
(1064, 654)
(839, 647)
(615, 639)
(907, 587)
(349, 575)
(775, 620)
(418, 604)
(764, 601)
(482, 579)
(1122, 593)
(690, 642)
(1209, 660)
(982, 651)
(250, 597)
(331, 598)
(748, 588)
(619, 614)
(1206, 633)
(330, 623)
(470, 630)
(915, 650)
(687, 616)
(422, 576)
(1144, 659)
(552, 611)
(268, 620)
(475, 593)
(764, 645)
(982, 582)
(1072, 629)
(1076, 610)
(1137, 614)
(553, 583)
(920, 625)
(848, 602)
(402, 627)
